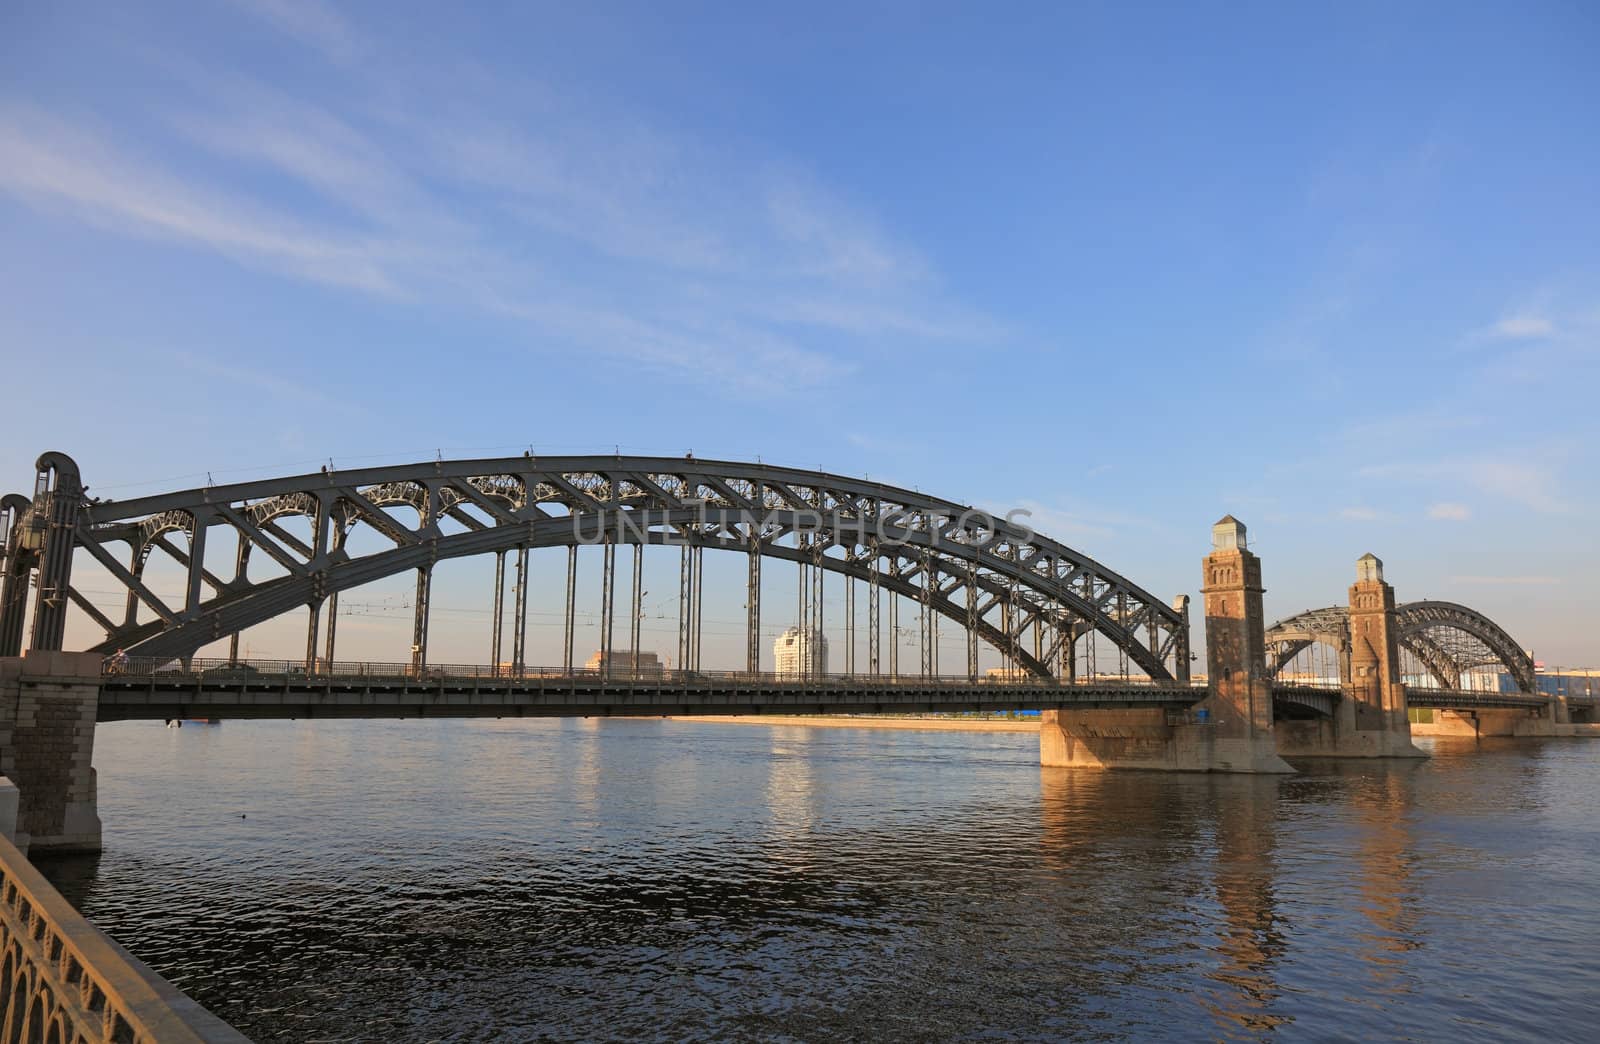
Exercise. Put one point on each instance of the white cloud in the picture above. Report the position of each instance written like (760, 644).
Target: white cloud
(1450, 511)
(1359, 514)
(1521, 328)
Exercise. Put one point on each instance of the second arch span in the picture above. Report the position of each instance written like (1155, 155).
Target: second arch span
(1447, 638)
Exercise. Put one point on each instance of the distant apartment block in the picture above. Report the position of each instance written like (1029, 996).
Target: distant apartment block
(800, 652)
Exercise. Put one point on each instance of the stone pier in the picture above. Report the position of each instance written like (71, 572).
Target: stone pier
(1370, 721)
(1491, 721)
(1228, 731)
(48, 702)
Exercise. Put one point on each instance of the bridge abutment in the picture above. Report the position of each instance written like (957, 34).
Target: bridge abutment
(1370, 721)
(48, 702)
(1230, 730)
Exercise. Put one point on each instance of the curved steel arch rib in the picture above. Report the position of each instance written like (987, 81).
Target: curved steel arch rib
(1422, 629)
(957, 558)
(1417, 619)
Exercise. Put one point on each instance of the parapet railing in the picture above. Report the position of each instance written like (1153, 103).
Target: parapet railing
(275, 670)
(62, 979)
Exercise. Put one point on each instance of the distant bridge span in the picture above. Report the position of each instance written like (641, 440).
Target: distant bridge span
(1448, 638)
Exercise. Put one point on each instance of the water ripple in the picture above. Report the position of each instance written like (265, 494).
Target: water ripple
(579, 880)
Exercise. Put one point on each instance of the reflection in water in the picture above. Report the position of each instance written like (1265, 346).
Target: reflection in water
(1245, 811)
(791, 791)
(1384, 848)
(1191, 853)
(620, 879)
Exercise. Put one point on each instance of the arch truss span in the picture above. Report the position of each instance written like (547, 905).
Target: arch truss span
(1031, 597)
(1448, 638)
(1330, 626)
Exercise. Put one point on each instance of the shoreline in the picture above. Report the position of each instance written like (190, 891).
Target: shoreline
(831, 721)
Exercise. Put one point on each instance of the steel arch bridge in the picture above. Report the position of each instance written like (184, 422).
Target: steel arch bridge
(1449, 639)
(993, 576)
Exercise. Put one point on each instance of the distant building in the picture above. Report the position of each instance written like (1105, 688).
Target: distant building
(1582, 682)
(622, 664)
(1560, 681)
(800, 652)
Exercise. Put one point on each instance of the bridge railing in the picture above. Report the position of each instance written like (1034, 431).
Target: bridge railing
(62, 979)
(247, 671)
(1469, 698)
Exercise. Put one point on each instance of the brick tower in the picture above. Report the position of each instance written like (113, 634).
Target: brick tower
(1376, 691)
(1238, 708)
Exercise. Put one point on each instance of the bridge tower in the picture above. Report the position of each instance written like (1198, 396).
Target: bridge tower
(1370, 721)
(1375, 692)
(1374, 684)
(1237, 709)
(1230, 729)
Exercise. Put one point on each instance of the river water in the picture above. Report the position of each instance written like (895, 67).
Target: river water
(570, 879)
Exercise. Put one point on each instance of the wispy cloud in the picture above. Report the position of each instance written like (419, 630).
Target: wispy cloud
(1531, 477)
(309, 21)
(1359, 514)
(835, 243)
(247, 382)
(1449, 511)
(1068, 524)
(585, 226)
(80, 171)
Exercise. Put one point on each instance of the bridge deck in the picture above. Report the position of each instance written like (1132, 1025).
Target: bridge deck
(394, 690)
(1470, 699)
(1438, 699)
(275, 689)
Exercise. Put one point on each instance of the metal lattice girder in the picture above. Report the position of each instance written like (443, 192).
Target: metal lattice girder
(16, 572)
(1447, 637)
(852, 526)
(1469, 638)
(1286, 639)
(57, 503)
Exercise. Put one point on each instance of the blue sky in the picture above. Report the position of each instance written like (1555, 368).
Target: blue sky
(1129, 267)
